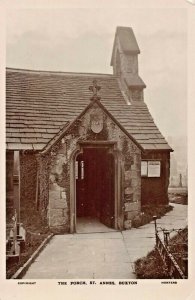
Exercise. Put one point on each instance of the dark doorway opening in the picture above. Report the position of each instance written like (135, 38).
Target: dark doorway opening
(95, 185)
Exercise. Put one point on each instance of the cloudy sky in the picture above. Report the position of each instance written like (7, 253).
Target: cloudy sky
(81, 39)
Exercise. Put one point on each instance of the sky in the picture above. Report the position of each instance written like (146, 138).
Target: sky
(81, 40)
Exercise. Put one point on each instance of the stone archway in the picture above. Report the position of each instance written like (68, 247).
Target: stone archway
(115, 207)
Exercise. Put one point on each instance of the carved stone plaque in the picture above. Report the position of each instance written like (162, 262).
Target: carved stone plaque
(96, 123)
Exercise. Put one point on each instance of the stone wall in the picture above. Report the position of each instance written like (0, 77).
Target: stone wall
(59, 168)
(128, 63)
(118, 69)
(126, 67)
(43, 189)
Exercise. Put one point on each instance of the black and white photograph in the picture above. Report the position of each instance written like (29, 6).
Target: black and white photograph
(96, 145)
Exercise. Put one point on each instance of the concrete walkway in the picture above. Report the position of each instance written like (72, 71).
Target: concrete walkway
(101, 255)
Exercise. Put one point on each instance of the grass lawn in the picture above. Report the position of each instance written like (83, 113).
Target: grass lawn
(147, 214)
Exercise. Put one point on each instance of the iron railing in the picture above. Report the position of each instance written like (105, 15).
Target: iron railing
(169, 258)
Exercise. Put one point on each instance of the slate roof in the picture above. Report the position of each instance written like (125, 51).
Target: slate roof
(40, 103)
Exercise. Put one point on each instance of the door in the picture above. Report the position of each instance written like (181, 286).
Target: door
(107, 191)
(95, 185)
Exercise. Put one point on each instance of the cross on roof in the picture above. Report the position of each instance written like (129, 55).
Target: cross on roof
(95, 88)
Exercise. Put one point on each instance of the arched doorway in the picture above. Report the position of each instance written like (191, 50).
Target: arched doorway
(87, 156)
(95, 186)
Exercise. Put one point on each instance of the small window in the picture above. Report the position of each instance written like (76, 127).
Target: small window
(79, 169)
(76, 170)
(82, 169)
(144, 168)
(150, 168)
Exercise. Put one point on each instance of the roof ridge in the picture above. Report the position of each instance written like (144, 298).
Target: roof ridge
(59, 72)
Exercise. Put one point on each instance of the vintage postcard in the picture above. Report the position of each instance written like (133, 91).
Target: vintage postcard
(97, 145)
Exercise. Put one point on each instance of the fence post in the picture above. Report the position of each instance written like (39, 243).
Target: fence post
(166, 234)
(155, 226)
(185, 262)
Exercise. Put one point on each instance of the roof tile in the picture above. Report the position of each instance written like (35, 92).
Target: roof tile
(37, 146)
(15, 146)
(12, 140)
(39, 104)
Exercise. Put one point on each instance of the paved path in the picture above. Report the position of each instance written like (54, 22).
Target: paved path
(101, 255)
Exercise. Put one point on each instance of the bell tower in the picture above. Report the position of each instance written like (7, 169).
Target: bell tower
(125, 64)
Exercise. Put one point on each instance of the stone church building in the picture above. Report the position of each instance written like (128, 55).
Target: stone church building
(85, 145)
